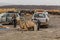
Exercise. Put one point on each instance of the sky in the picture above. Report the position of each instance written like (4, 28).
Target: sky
(30, 2)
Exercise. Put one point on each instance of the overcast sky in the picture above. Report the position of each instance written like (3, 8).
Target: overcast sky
(30, 2)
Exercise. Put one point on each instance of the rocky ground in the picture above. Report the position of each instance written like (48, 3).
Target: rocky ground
(50, 33)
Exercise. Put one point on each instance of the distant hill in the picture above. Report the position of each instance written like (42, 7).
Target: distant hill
(32, 7)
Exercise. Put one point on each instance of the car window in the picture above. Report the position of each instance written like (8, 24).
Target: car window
(4, 15)
(36, 15)
(11, 14)
(39, 15)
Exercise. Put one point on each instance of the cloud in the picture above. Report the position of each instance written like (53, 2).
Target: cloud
(32, 2)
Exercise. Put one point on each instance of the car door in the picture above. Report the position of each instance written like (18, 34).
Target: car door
(3, 18)
(9, 18)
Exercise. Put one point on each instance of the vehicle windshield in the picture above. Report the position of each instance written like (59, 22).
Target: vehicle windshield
(10, 14)
(39, 15)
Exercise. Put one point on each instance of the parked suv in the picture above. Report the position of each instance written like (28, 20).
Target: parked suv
(6, 18)
(43, 17)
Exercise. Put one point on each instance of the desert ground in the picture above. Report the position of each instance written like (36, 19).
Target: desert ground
(50, 33)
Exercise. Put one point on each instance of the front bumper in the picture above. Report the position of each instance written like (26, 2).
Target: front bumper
(44, 23)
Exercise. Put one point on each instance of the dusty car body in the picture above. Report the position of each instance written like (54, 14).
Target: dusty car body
(6, 18)
(42, 17)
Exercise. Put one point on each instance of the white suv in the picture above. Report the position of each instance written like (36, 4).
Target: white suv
(6, 18)
(42, 17)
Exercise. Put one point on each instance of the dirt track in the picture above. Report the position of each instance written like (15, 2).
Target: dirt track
(50, 33)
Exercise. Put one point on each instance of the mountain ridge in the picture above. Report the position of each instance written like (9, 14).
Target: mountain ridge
(32, 6)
